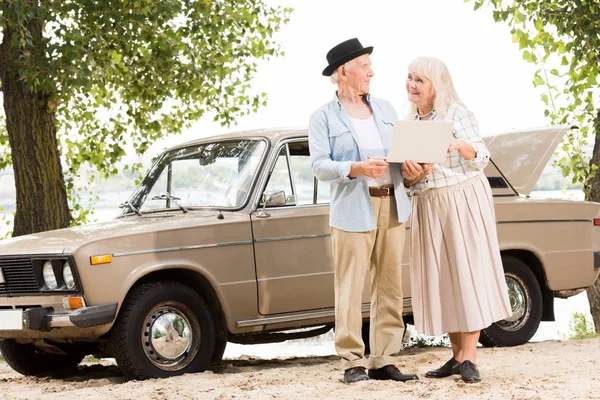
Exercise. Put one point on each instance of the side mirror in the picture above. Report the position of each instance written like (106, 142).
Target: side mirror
(271, 199)
(276, 198)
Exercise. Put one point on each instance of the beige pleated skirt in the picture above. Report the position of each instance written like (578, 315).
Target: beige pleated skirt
(457, 279)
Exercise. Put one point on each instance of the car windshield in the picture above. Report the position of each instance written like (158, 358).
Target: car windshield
(215, 175)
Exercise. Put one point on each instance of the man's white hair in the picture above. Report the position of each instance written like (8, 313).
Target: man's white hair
(335, 77)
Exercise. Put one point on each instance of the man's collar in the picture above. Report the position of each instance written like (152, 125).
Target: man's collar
(339, 103)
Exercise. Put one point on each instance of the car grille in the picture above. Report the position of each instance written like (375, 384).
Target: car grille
(18, 276)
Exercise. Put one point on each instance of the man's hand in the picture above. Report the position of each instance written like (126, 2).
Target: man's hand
(373, 168)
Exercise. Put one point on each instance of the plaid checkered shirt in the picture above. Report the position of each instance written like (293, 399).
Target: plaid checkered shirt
(456, 169)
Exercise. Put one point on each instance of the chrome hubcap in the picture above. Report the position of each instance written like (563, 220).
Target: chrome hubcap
(520, 303)
(167, 338)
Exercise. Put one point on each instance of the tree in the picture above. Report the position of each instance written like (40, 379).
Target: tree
(87, 79)
(562, 37)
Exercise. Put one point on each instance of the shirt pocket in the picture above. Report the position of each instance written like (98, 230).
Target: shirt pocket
(387, 127)
(341, 141)
(387, 122)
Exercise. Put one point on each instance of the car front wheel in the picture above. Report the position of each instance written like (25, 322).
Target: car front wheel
(163, 329)
(525, 296)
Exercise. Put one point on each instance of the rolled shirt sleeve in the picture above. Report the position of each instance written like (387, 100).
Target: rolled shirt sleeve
(324, 168)
(467, 129)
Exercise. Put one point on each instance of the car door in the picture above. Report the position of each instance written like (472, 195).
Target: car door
(294, 263)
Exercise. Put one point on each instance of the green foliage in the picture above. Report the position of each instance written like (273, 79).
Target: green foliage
(7, 222)
(580, 327)
(4, 148)
(562, 37)
(419, 340)
(91, 359)
(121, 74)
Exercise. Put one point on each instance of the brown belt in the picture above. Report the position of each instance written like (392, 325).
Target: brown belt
(381, 192)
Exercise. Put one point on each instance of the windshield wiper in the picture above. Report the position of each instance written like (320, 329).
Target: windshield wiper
(167, 196)
(131, 207)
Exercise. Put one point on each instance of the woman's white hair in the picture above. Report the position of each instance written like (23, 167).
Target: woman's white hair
(438, 74)
(335, 77)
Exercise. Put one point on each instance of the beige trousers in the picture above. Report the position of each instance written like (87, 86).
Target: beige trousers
(381, 251)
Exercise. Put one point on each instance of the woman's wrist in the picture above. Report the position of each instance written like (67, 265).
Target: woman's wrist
(409, 182)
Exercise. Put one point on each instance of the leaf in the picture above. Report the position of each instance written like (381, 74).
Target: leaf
(561, 48)
(527, 56)
(539, 25)
(519, 17)
(523, 42)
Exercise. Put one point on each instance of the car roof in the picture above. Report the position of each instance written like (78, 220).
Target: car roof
(273, 135)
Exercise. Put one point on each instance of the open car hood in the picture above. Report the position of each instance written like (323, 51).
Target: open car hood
(521, 155)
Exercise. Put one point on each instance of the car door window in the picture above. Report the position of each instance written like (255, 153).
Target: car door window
(293, 174)
(280, 179)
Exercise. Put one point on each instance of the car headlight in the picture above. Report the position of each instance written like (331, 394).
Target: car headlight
(68, 276)
(49, 277)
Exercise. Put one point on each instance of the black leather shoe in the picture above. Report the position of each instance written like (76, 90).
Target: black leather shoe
(469, 372)
(355, 374)
(390, 372)
(452, 367)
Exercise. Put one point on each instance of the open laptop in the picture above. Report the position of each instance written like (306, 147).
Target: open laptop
(420, 141)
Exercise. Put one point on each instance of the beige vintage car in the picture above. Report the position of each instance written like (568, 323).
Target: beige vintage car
(227, 239)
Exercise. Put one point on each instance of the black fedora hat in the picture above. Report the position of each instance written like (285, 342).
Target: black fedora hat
(344, 52)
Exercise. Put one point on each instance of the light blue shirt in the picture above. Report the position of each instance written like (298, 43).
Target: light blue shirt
(334, 147)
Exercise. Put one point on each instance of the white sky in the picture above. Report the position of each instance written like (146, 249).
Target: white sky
(487, 68)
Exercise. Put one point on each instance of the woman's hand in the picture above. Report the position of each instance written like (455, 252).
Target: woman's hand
(427, 167)
(413, 170)
(465, 150)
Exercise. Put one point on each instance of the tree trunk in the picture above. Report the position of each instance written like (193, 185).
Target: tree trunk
(593, 292)
(41, 195)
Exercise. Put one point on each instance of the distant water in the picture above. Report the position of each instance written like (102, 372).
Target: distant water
(323, 345)
(558, 194)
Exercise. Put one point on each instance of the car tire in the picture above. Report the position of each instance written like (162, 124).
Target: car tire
(525, 297)
(163, 329)
(28, 359)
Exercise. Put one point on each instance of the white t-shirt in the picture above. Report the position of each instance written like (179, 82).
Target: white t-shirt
(370, 145)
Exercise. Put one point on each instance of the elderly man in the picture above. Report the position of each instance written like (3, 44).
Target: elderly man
(348, 140)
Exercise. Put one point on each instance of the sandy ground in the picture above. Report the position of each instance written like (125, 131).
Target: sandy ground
(547, 370)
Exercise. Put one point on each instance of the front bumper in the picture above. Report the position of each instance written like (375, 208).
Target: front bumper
(45, 318)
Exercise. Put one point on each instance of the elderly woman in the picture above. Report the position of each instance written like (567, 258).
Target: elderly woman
(458, 282)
